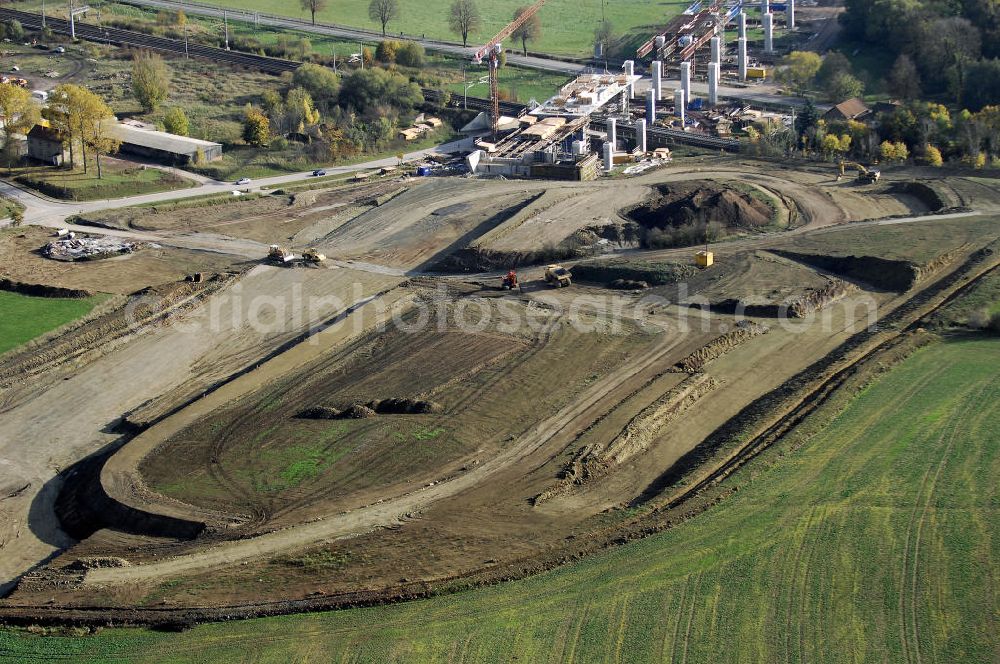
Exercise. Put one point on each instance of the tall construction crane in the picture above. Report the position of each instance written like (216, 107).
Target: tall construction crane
(491, 53)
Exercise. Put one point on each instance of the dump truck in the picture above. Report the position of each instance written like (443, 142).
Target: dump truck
(313, 256)
(279, 254)
(558, 276)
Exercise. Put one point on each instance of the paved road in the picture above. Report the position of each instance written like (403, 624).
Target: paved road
(43, 211)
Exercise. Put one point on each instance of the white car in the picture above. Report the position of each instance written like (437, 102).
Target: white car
(243, 181)
(60, 49)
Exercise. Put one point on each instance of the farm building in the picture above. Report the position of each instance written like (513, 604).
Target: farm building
(146, 142)
(45, 145)
(851, 109)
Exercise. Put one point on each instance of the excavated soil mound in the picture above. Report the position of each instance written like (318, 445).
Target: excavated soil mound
(379, 407)
(700, 202)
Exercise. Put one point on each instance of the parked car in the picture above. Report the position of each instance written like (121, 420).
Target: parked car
(243, 181)
(319, 172)
(60, 49)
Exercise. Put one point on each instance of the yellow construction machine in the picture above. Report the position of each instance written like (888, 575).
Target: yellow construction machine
(313, 256)
(558, 276)
(865, 174)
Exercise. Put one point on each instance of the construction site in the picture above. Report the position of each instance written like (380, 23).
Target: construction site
(603, 119)
(396, 383)
(352, 376)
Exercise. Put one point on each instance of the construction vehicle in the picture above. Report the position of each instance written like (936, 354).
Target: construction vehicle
(865, 174)
(509, 282)
(757, 73)
(558, 276)
(279, 254)
(313, 256)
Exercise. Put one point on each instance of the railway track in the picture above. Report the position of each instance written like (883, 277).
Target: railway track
(129, 38)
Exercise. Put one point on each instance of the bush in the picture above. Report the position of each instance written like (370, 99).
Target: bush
(14, 31)
(978, 320)
(410, 54)
(386, 51)
(176, 122)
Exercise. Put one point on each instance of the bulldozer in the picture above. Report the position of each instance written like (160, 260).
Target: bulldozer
(279, 254)
(558, 276)
(866, 175)
(509, 282)
(313, 256)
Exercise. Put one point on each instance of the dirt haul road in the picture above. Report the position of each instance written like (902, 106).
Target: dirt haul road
(71, 419)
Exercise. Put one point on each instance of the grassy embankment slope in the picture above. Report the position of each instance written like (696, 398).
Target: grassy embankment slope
(876, 540)
(22, 318)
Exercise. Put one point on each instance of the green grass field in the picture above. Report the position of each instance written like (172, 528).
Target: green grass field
(567, 25)
(875, 541)
(22, 318)
(119, 180)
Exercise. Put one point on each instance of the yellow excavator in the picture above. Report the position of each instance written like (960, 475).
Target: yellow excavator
(865, 174)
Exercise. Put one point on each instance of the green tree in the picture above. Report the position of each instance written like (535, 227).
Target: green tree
(954, 45)
(464, 18)
(986, 91)
(530, 30)
(801, 68)
(365, 91)
(845, 86)
(18, 114)
(383, 11)
(175, 121)
(904, 79)
(150, 80)
(834, 63)
(387, 50)
(807, 119)
(300, 110)
(101, 137)
(411, 54)
(83, 119)
(313, 6)
(256, 127)
(320, 82)
(894, 151)
(304, 48)
(15, 32)
(932, 156)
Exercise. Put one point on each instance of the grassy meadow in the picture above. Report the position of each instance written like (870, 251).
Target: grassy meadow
(567, 25)
(22, 317)
(875, 540)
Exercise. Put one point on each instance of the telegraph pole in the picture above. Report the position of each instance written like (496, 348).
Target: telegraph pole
(225, 23)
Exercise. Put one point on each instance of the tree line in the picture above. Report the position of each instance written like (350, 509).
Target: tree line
(336, 117)
(949, 48)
